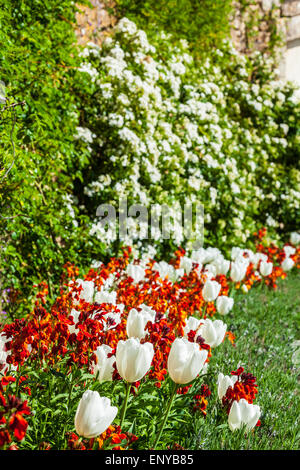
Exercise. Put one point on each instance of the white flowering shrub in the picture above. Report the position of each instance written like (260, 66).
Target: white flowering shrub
(165, 129)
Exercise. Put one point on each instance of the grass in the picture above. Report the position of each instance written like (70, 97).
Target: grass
(265, 324)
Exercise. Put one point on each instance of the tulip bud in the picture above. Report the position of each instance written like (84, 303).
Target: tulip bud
(94, 414)
(136, 322)
(213, 332)
(224, 382)
(265, 268)
(224, 304)
(295, 238)
(211, 290)
(185, 361)
(287, 264)
(133, 359)
(243, 413)
(104, 365)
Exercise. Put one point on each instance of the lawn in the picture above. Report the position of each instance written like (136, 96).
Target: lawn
(265, 324)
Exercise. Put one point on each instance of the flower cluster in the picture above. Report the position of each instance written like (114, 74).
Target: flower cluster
(139, 321)
(166, 129)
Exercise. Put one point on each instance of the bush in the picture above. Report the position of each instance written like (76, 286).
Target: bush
(203, 23)
(38, 64)
(167, 129)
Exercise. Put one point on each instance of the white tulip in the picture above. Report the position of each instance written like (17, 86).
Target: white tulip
(224, 382)
(222, 266)
(213, 333)
(136, 272)
(137, 321)
(211, 269)
(186, 264)
(211, 290)
(104, 366)
(238, 271)
(192, 324)
(94, 414)
(224, 304)
(87, 292)
(289, 250)
(133, 359)
(287, 264)
(185, 361)
(265, 268)
(105, 297)
(243, 413)
(75, 314)
(295, 238)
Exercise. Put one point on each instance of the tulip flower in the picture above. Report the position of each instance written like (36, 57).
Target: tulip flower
(213, 332)
(224, 382)
(211, 290)
(224, 304)
(137, 320)
(87, 292)
(265, 268)
(289, 250)
(186, 264)
(94, 414)
(105, 297)
(287, 264)
(136, 272)
(238, 271)
(133, 359)
(185, 361)
(104, 366)
(295, 238)
(222, 266)
(75, 315)
(243, 413)
(192, 324)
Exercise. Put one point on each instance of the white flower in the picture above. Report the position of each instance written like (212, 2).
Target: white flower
(287, 264)
(211, 290)
(224, 382)
(238, 271)
(224, 304)
(265, 268)
(104, 366)
(243, 413)
(94, 414)
(137, 321)
(295, 238)
(185, 361)
(213, 332)
(136, 272)
(133, 359)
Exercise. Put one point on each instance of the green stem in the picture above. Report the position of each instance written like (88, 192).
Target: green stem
(166, 415)
(125, 403)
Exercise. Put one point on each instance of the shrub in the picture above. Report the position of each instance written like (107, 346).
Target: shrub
(167, 129)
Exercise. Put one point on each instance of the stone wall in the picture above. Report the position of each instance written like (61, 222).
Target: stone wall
(253, 25)
(252, 29)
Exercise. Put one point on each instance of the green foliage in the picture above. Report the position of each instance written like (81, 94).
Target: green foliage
(38, 65)
(203, 23)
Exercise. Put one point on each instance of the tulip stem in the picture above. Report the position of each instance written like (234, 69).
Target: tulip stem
(125, 403)
(166, 415)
